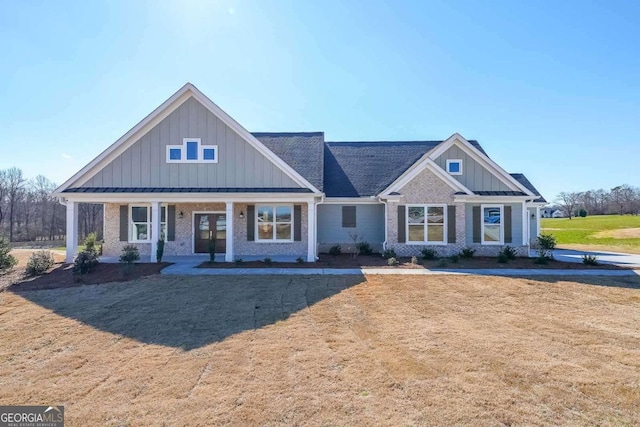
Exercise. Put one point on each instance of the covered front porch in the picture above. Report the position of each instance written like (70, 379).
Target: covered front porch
(254, 227)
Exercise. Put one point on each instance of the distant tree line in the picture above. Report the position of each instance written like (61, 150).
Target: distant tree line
(28, 212)
(620, 200)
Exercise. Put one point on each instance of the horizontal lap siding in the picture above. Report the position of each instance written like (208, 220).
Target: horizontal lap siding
(144, 163)
(369, 224)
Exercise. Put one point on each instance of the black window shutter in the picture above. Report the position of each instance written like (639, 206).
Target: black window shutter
(451, 224)
(251, 223)
(348, 216)
(171, 223)
(297, 223)
(124, 223)
(401, 224)
(477, 225)
(508, 234)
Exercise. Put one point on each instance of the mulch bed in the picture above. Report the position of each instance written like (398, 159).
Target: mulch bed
(61, 276)
(376, 261)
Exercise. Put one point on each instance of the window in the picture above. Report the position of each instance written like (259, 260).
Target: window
(192, 151)
(426, 223)
(175, 154)
(454, 166)
(348, 216)
(140, 220)
(492, 224)
(274, 223)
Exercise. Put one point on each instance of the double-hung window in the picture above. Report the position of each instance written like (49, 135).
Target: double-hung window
(140, 223)
(274, 223)
(426, 224)
(492, 224)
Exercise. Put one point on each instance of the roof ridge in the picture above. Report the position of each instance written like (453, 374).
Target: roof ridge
(312, 133)
(385, 142)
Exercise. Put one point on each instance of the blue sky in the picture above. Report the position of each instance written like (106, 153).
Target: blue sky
(550, 89)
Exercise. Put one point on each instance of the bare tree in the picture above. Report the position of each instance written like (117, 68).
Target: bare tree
(15, 185)
(568, 202)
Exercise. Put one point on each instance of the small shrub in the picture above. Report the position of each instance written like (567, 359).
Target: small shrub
(429, 254)
(238, 261)
(389, 253)
(414, 260)
(160, 250)
(509, 252)
(90, 243)
(300, 260)
(442, 264)
(335, 250)
(84, 262)
(267, 261)
(392, 262)
(582, 213)
(589, 259)
(39, 262)
(130, 254)
(467, 253)
(212, 250)
(541, 260)
(7, 261)
(364, 248)
(502, 258)
(546, 244)
(454, 258)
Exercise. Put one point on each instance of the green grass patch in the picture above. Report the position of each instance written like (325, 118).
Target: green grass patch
(616, 231)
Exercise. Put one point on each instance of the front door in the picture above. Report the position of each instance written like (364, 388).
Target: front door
(207, 227)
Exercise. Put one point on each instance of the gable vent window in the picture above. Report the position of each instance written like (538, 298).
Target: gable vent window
(454, 166)
(192, 151)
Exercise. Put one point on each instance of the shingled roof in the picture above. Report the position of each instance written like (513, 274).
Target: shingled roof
(365, 168)
(303, 151)
(529, 186)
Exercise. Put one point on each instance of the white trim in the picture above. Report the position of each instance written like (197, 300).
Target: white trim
(311, 233)
(351, 201)
(149, 222)
(156, 227)
(275, 223)
(490, 199)
(424, 163)
(459, 161)
(230, 220)
(538, 231)
(193, 231)
(445, 224)
(525, 224)
(478, 156)
(186, 197)
(72, 230)
(183, 152)
(160, 113)
(482, 224)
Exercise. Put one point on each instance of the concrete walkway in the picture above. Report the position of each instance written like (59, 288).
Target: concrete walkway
(189, 269)
(616, 258)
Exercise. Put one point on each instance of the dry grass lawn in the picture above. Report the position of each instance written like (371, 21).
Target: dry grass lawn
(437, 350)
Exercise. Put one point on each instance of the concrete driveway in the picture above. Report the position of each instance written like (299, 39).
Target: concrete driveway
(624, 260)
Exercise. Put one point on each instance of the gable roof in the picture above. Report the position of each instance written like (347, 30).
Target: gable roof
(304, 151)
(524, 181)
(145, 125)
(366, 168)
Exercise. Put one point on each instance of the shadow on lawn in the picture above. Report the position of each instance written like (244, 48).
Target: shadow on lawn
(185, 313)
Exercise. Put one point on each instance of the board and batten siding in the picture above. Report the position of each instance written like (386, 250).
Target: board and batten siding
(369, 224)
(474, 176)
(516, 223)
(144, 163)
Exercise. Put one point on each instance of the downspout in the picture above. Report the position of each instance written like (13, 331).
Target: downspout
(315, 234)
(386, 220)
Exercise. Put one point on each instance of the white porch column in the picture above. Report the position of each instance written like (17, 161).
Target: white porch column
(155, 229)
(72, 230)
(525, 224)
(228, 256)
(311, 232)
(538, 232)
